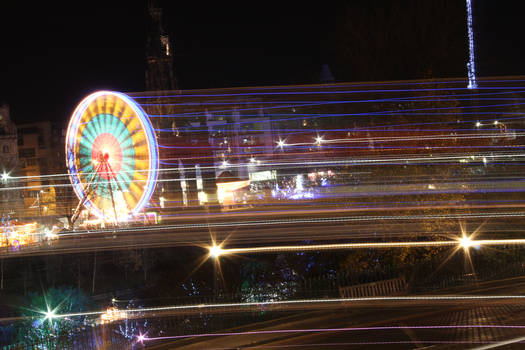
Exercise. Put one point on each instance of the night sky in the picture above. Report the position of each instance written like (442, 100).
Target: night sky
(51, 55)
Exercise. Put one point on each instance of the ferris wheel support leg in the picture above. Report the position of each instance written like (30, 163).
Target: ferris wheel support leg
(87, 192)
(119, 188)
(113, 203)
(76, 213)
(111, 177)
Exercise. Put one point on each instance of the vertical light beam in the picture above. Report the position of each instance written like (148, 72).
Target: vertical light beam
(471, 68)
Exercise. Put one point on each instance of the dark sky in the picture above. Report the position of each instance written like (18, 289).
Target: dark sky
(52, 55)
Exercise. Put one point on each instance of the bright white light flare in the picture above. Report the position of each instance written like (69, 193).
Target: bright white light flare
(465, 242)
(216, 251)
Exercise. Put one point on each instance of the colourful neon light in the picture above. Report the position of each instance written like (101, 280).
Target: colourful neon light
(73, 141)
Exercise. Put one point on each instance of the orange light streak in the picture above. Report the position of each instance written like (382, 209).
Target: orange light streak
(370, 245)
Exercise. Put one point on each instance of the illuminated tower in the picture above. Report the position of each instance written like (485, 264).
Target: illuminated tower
(159, 53)
(471, 68)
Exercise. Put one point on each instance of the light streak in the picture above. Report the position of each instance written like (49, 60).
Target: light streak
(432, 98)
(316, 220)
(387, 113)
(138, 95)
(320, 115)
(325, 346)
(464, 242)
(320, 140)
(248, 305)
(402, 99)
(335, 92)
(380, 160)
(342, 329)
(498, 344)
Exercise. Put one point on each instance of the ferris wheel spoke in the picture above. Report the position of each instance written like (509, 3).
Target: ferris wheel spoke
(127, 145)
(84, 151)
(122, 133)
(88, 135)
(141, 144)
(86, 167)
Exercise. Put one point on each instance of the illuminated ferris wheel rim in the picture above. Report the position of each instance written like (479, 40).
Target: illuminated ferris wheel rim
(71, 156)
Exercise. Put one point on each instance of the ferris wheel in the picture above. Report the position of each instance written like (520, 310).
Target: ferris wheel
(111, 156)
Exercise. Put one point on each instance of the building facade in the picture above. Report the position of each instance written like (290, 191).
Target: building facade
(11, 203)
(41, 159)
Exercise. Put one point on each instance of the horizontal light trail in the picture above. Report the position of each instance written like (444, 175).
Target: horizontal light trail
(490, 158)
(385, 114)
(329, 92)
(343, 329)
(433, 98)
(368, 245)
(338, 162)
(409, 159)
(492, 215)
(204, 307)
(186, 94)
(383, 128)
(415, 342)
(322, 206)
(303, 116)
(501, 343)
(363, 130)
(438, 98)
(380, 140)
(321, 115)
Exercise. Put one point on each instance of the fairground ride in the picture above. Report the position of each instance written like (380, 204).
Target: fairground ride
(111, 156)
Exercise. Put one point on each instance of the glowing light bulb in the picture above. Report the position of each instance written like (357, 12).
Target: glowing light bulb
(465, 242)
(49, 315)
(280, 143)
(215, 251)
